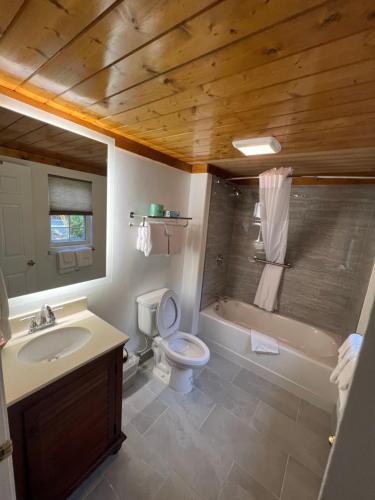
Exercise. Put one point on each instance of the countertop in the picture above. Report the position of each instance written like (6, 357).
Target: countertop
(22, 379)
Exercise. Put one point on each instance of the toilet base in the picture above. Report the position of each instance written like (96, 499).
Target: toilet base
(181, 380)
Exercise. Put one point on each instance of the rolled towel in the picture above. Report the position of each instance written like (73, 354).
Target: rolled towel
(263, 344)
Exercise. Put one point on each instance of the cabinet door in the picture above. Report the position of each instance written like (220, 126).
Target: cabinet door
(68, 431)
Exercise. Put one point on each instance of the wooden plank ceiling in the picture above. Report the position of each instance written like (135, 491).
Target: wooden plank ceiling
(26, 138)
(187, 77)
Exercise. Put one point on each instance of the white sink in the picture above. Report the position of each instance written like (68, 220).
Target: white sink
(54, 345)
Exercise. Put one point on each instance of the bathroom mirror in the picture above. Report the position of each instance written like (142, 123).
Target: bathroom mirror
(53, 186)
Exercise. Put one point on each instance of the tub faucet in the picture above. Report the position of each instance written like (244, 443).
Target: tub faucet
(224, 298)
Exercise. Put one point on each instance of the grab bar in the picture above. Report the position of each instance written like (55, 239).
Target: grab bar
(264, 261)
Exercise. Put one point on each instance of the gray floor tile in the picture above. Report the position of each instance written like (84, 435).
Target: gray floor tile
(175, 488)
(296, 440)
(92, 481)
(227, 395)
(241, 486)
(142, 408)
(229, 438)
(275, 396)
(104, 490)
(300, 483)
(256, 454)
(315, 419)
(195, 405)
(132, 478)
(223, 367)
(136, 445)
(190, 453)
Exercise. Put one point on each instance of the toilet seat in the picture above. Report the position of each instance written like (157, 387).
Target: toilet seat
(168, 314)
(186, 349)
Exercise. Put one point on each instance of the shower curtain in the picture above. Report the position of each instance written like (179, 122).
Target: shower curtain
(274, 192)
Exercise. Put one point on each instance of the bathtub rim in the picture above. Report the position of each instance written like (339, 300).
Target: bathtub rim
(325, 362)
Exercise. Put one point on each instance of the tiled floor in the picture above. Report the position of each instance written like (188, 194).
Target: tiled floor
(235, 436)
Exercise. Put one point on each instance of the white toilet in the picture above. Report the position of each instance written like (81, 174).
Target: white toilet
(175, 353)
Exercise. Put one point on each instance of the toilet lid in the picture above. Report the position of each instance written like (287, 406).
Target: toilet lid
(168, 314)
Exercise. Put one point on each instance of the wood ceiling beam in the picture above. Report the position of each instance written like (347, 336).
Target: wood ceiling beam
(121, 142)
(206, 168)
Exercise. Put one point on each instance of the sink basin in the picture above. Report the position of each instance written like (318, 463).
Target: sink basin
(54, 345)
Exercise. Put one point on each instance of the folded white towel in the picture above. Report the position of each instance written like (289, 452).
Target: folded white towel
(349, 351)
(66, 261)
(352, 344)
(340, 367)
(264, 344)
(84, 257)
(346, 376)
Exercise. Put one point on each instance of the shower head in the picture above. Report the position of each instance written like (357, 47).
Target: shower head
(236, 193)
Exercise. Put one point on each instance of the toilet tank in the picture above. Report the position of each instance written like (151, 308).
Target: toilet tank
(147, 306)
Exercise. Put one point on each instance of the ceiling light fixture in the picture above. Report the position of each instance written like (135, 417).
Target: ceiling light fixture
(258, 146)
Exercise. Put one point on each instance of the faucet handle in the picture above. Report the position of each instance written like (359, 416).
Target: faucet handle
(50, 314)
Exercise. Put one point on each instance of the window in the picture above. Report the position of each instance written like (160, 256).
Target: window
(70, 210)
(69, 228)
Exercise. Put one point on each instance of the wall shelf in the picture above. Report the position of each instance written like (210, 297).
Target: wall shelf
(159, 220)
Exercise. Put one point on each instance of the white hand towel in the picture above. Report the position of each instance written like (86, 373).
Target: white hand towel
(175, 238)
(147, 239)
(159, 240)
(66, 261)
(264, 344)
(84, 257)
(139, 244)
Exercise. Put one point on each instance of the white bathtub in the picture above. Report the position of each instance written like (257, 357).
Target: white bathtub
(307, 354)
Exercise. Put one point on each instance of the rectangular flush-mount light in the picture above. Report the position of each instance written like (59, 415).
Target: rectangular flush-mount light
(258, 146)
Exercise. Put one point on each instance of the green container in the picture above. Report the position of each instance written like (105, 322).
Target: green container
(156, 210)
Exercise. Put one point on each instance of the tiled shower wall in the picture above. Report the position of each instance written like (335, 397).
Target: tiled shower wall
(331, 246)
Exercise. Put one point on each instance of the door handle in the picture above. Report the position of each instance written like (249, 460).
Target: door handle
(6, 449)
(31, 262)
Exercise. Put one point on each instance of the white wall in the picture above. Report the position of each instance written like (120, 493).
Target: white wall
(138, 182)
(47, 273)
(199, 201)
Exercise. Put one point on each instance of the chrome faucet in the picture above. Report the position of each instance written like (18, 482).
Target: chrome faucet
(43, 319)
(224, 298)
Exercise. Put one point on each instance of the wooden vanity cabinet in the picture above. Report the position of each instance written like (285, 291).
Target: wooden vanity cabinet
(61, 433)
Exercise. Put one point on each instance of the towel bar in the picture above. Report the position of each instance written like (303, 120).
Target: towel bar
(264, 261)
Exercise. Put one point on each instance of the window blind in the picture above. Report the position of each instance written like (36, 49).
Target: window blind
(69, 196)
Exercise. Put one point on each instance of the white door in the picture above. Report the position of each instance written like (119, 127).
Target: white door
(17, 249)
(7, 488)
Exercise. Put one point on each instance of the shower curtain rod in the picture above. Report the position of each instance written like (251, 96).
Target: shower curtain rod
(305, 177)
